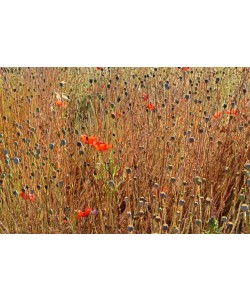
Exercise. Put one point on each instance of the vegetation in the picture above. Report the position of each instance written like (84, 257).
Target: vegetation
(124, 150)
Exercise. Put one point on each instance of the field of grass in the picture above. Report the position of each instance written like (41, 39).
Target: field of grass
(124, 150)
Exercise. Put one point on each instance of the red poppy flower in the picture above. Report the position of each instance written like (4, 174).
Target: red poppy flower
(145, 97)
(185, 69)
(83, 214)
(150, 106)
(88, 139)
(98, 68)
(217, 115)
(232, 112)
(100, 146)
(27, 196)
(59, 103)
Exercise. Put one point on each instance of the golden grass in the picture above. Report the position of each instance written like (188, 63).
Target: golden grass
(179, 161)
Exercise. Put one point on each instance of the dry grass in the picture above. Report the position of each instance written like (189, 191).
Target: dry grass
(175, 166)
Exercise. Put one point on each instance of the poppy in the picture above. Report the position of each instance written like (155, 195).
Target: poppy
(150, 106)
(145, 97)
(88, 139)
(26, 196)
(83, 214)
(100, 146)
(232, 112)
(98, 68)
(217, 115)
(59, 103)
(184, 69)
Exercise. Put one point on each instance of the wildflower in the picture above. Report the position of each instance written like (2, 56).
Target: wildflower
(83, 214)
(232, 112)
(26, 196)
(98, 68)
(150, 106)
(88, 139)
(217, 115)
(184, 69)
(100, 146)
(59, 103)
(145, 97)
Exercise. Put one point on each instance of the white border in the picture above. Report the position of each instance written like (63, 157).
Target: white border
(124, 33)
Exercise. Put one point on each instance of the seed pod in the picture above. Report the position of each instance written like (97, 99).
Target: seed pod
(165, 227)
(51, 146)
(247, 166)
(62, 143)
(198, 222)
(157, 219)
(223, 219)
(175, 230)
(130, 228)
(230, 225)
(172, 179)
(244, 207)
(181, 202)
(16, 160)
(163, 195)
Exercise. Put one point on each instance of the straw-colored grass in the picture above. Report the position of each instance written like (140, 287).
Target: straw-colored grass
(179, 162)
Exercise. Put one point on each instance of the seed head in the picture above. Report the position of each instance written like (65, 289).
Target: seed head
(244, 207)
(165, 227)
(163, 195)
(223, 219)
(16, 160)
(130, 228)
(181, 202)
(198, 222)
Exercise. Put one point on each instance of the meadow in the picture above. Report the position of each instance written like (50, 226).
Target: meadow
(125, 150)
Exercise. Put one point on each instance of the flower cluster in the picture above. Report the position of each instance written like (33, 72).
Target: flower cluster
(92, 140)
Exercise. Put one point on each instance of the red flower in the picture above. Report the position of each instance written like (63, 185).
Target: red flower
(145, 97)
(27, 196)
(83, 214)
(88, 139)
(232, 112)
(150, 106)
(98, 68)
(217, 115)
(100, 146)
(59, 103)
(184, 69)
